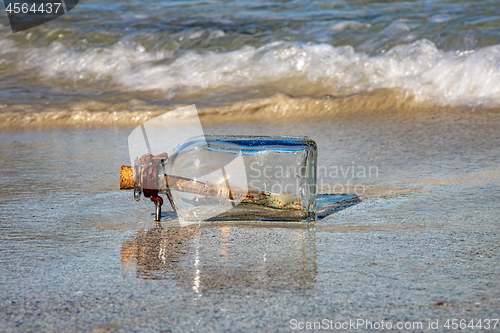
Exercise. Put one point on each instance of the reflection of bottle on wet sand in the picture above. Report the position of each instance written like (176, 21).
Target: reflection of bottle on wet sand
(214, 258)
(152, 251)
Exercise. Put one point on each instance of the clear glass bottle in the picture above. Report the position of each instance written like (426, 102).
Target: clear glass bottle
(234, 178)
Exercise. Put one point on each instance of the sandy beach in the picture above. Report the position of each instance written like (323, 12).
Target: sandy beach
(79, 255)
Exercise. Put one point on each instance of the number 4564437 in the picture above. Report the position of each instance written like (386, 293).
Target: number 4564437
(456, 324)
(25, 8)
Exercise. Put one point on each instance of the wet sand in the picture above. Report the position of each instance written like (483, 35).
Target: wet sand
(79, 255)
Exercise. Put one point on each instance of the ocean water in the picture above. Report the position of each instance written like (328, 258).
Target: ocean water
(122, 62)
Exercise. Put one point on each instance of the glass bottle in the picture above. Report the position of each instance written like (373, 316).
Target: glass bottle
(234, 178)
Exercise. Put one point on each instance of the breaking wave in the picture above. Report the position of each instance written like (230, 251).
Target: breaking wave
(418, 70)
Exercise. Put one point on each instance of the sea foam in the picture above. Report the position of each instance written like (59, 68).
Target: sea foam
(418, 70)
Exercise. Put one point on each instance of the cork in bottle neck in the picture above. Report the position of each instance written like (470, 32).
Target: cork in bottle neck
(127, 181)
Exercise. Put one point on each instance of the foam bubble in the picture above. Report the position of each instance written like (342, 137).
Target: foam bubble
(440, 18)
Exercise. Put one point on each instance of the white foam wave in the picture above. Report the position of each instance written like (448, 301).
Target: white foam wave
(419, 69)
(344, 25)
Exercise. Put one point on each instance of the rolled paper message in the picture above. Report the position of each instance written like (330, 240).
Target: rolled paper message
(181, 184)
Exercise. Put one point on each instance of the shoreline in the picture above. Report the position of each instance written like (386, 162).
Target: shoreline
(275, 109)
